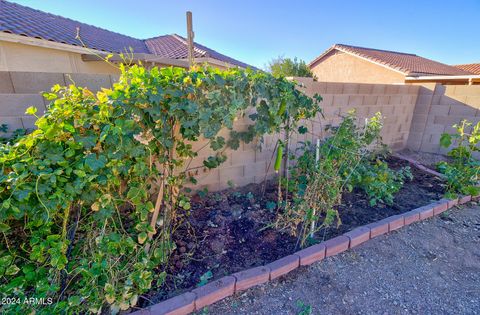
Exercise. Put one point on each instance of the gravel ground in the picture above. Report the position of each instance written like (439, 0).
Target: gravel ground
(430, 267)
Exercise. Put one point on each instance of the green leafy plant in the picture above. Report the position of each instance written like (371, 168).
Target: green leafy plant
(270, 205)
(205, 278)
(305, 309)
(343, 161)
(321, 174)
(462, 172)
(17, 133)
(288, 67)
(89, 200)
(202, 193)
(379, 182)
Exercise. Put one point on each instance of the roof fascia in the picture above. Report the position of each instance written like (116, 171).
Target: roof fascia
(321, 56)
(20, 39)
(215, 62)
(444, 77)
(135, 58)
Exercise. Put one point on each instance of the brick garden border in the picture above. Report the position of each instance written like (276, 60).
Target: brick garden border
(227, 286)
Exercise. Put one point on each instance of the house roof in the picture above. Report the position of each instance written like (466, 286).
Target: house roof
(470, 67)
(21, 20)
(408, 64)
(175, 46)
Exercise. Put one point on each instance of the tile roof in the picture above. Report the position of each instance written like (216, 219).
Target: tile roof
(474, 68)
(22, 20)
(175, 46)
(408, 64)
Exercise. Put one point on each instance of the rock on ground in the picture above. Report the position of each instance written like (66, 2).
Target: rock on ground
(430, 267)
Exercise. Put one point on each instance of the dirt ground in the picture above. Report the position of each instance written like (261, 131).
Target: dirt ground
(226, 231)
(430, 267)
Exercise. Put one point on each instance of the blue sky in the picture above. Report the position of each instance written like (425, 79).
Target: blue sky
(257, 31)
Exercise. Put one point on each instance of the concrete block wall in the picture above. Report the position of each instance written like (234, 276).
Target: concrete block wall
(395, 102)
(20, 90)
(438, 108)
(250, 163)
(247, 164)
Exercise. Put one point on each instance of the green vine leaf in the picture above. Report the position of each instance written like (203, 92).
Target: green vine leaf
(445, 140)
(31, 110)
(4, 227)
(302, 130)
(93, 163)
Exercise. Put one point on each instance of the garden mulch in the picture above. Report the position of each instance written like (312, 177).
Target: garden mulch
(429, 267)
(226, 232)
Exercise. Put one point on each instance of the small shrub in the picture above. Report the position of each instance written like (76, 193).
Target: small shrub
(346, 160)
(462, 172)
(379, 182)
(288, 67)
(317, 186)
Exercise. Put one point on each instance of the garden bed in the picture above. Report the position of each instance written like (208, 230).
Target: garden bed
(227, 231)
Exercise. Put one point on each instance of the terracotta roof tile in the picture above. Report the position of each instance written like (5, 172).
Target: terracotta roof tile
(175, 46)
(408, 64)
(473, 68)
(21, 20)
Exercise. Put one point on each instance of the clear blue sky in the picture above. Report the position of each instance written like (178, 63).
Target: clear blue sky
(255, 31)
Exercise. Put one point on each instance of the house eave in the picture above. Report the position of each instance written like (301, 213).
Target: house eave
(316, 60)
(43, 43)
(215, 62)
(442, 77)
(89, 55)
(140, 57)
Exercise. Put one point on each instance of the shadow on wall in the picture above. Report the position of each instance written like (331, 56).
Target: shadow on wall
(20, 90)
(437, 109)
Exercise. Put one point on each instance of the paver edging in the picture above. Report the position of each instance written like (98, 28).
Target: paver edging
(227, 286)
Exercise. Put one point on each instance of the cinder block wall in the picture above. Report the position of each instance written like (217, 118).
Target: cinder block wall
(438, 108)
(20, 90)
(249, 164)
(395, 102)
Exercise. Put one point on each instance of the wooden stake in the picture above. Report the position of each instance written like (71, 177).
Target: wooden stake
(173, 153)
(317, 158)
(158, 205)
(160, 196)
(190, 36)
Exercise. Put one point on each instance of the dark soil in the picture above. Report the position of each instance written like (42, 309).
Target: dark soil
(355, 209)
(227, 231)
(429, 267)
